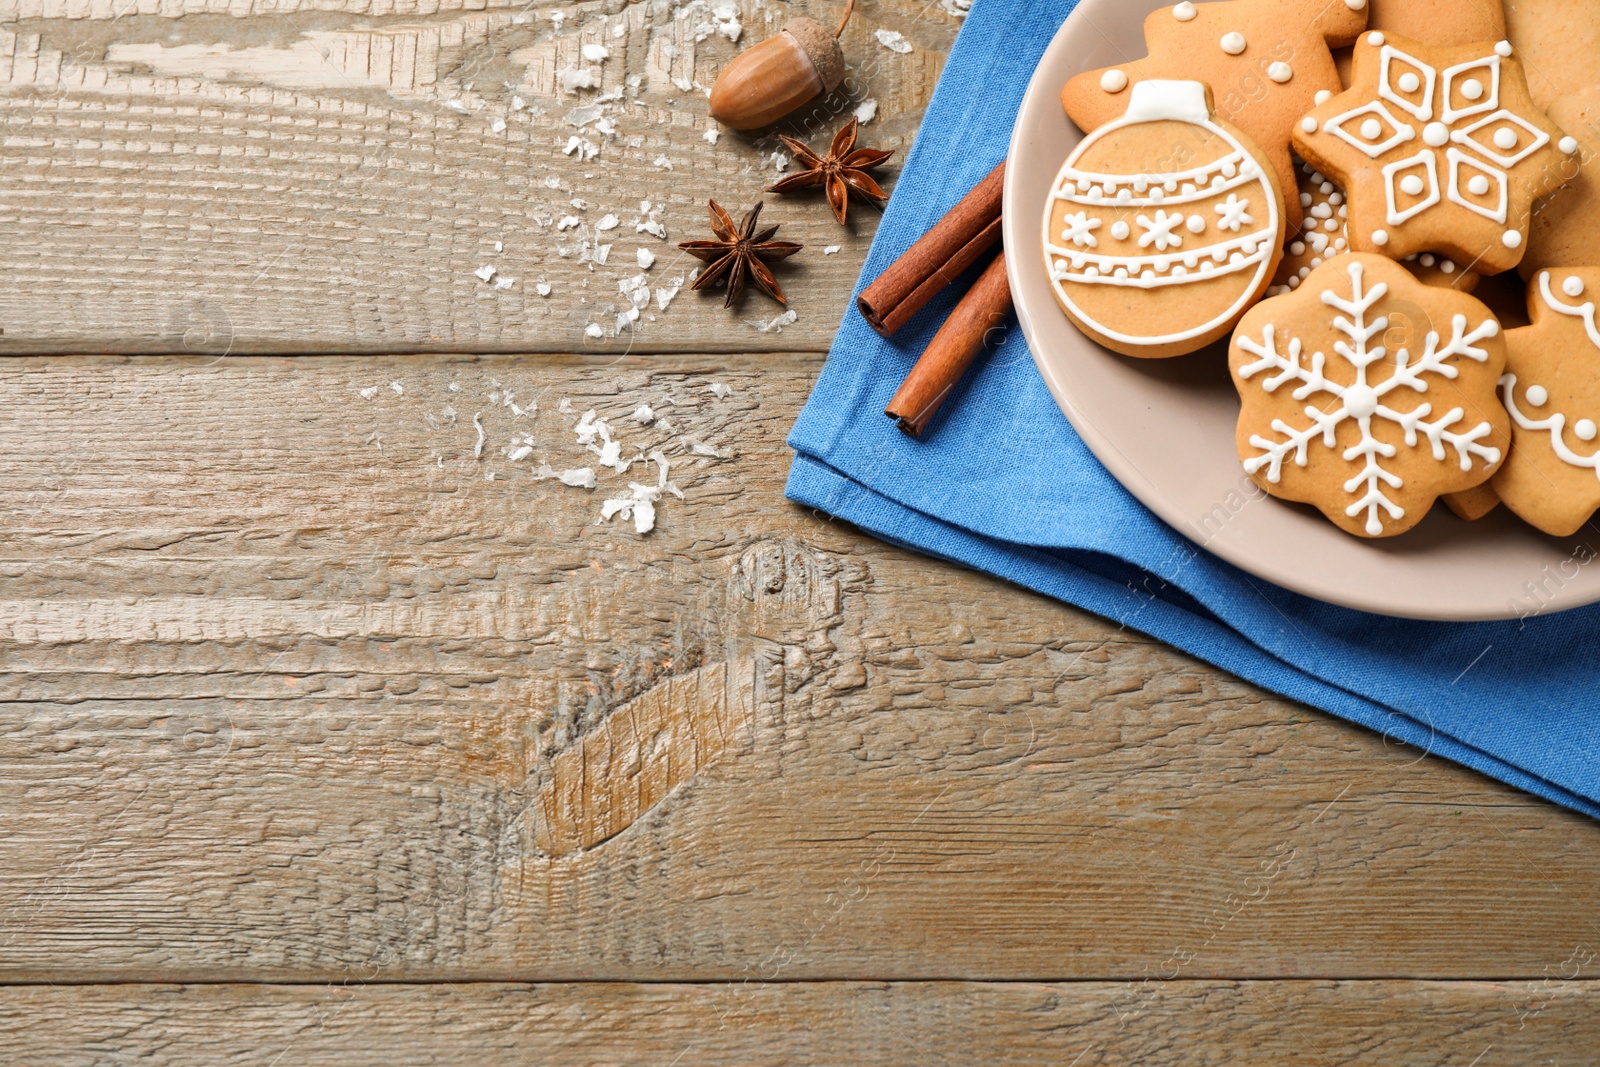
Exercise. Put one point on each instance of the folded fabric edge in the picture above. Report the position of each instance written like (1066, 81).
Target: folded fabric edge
(815, 484)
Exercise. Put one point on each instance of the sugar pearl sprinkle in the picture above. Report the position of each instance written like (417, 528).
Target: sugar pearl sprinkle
(1113, 81)
(1233, 43)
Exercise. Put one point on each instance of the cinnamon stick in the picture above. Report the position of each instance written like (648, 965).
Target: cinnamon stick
(952, 349)
(966, 232)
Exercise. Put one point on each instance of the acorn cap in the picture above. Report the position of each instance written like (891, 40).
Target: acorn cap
(821, 47)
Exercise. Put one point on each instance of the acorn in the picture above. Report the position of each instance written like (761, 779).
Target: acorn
(780, 75)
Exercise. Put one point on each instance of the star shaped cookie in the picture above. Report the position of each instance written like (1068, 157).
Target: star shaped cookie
(1551, 388)
(1438, 149)
(1267, 63)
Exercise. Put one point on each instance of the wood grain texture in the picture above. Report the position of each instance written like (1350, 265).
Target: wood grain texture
(295, 177)
(287, 673)
(1086, 1024)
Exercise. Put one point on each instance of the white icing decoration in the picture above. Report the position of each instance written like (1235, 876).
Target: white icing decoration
(1375, 38)
(1355, 5)
(1080, 230)
(1362, 402)
(1322, 97)
(1114, 81)
(1481, 141)
(1585, 429)
(1234, 215)
(1308, 124)
(1196, 224)
(1233, 43)
(1119, 230)
(1503, 48)
(1280, 72)
(1569, 145)
(1184, 12)
(1380, 237)
(1573, 286)
(1248, 251)
(1448, 267)
(1537, 395)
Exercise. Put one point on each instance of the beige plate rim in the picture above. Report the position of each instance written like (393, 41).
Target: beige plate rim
(1165, 428)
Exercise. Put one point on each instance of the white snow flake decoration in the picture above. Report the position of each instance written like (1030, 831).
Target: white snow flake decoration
(1363, 402)
(1158, 231)
(1234, 214)
(1080, 230)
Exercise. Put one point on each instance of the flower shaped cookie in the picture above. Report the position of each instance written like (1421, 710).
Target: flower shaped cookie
(1438, 149)
(1368, 394)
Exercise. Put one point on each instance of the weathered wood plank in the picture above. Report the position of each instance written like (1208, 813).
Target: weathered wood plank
(288, 679)
(1312, 1023)
(241, 178)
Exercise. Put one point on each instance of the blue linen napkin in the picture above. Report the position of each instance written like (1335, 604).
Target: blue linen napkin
(1002, 483)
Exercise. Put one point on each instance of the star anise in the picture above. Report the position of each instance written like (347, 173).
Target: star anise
(844, 171)
(739, 252)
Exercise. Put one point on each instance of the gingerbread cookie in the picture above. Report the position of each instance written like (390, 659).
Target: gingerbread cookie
(1559, 42)
(1566, 227)
(1369, 420)
(1552, 390)
(1162, 226)
(1472, 504)
(1265, 61)
(1438, 148)
(1323, 235)
(1440, 21)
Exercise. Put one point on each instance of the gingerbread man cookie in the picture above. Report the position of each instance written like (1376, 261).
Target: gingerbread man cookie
(1365, 419)
(1162, 226)
(1552, 390)
(1265, 61)
(1438, 148)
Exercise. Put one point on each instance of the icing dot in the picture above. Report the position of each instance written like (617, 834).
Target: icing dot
(1308, 124)
(1503, 48)
(1092, 272)
(1411, 185)
(1233, 43)
(1538, 395)
(1119, 230)
(1371, 129)
(1585, 429)
(1322, 97)
(1569, 145)
(1472, 89)
(1435, 134)
(1505, 138)
(1380, 237)
(1573, 286)
(1427, 259)
(1477, 185)
(1113, 81)
(1409, 82)
(1280, 72)
(1196, 224)
(1375, 39)
(1298, 248)
(1360, 400)
(1355, 5)
(1448, 267)
(1184, 12)
(1511, 239)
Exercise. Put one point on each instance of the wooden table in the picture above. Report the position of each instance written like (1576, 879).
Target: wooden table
(333, 733)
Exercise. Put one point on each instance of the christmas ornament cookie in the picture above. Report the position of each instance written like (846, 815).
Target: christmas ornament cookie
(1438, 148)
(1323, 235)
(1266, 61)
(1162, 226)
(1552, 390)
(1368, 394)
(1566, 228)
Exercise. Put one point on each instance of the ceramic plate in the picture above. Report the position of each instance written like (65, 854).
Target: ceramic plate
(1164, 428)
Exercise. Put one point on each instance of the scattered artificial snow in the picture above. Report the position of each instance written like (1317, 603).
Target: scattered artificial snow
(595, 53)
(893, 40)
(542, 288)
(777, 324)
(485, 272)
(573, 80)
(830, 250)
(647, 259)
(720, 390)
(644, 415)
(607, 222)
(594, 330)
(711, 135)
(477, 449)
(866, 111)
(369, 392)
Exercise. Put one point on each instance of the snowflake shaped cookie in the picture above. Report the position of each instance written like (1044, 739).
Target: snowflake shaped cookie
(1368, 394)
(1439, 149)
(1552, 390)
